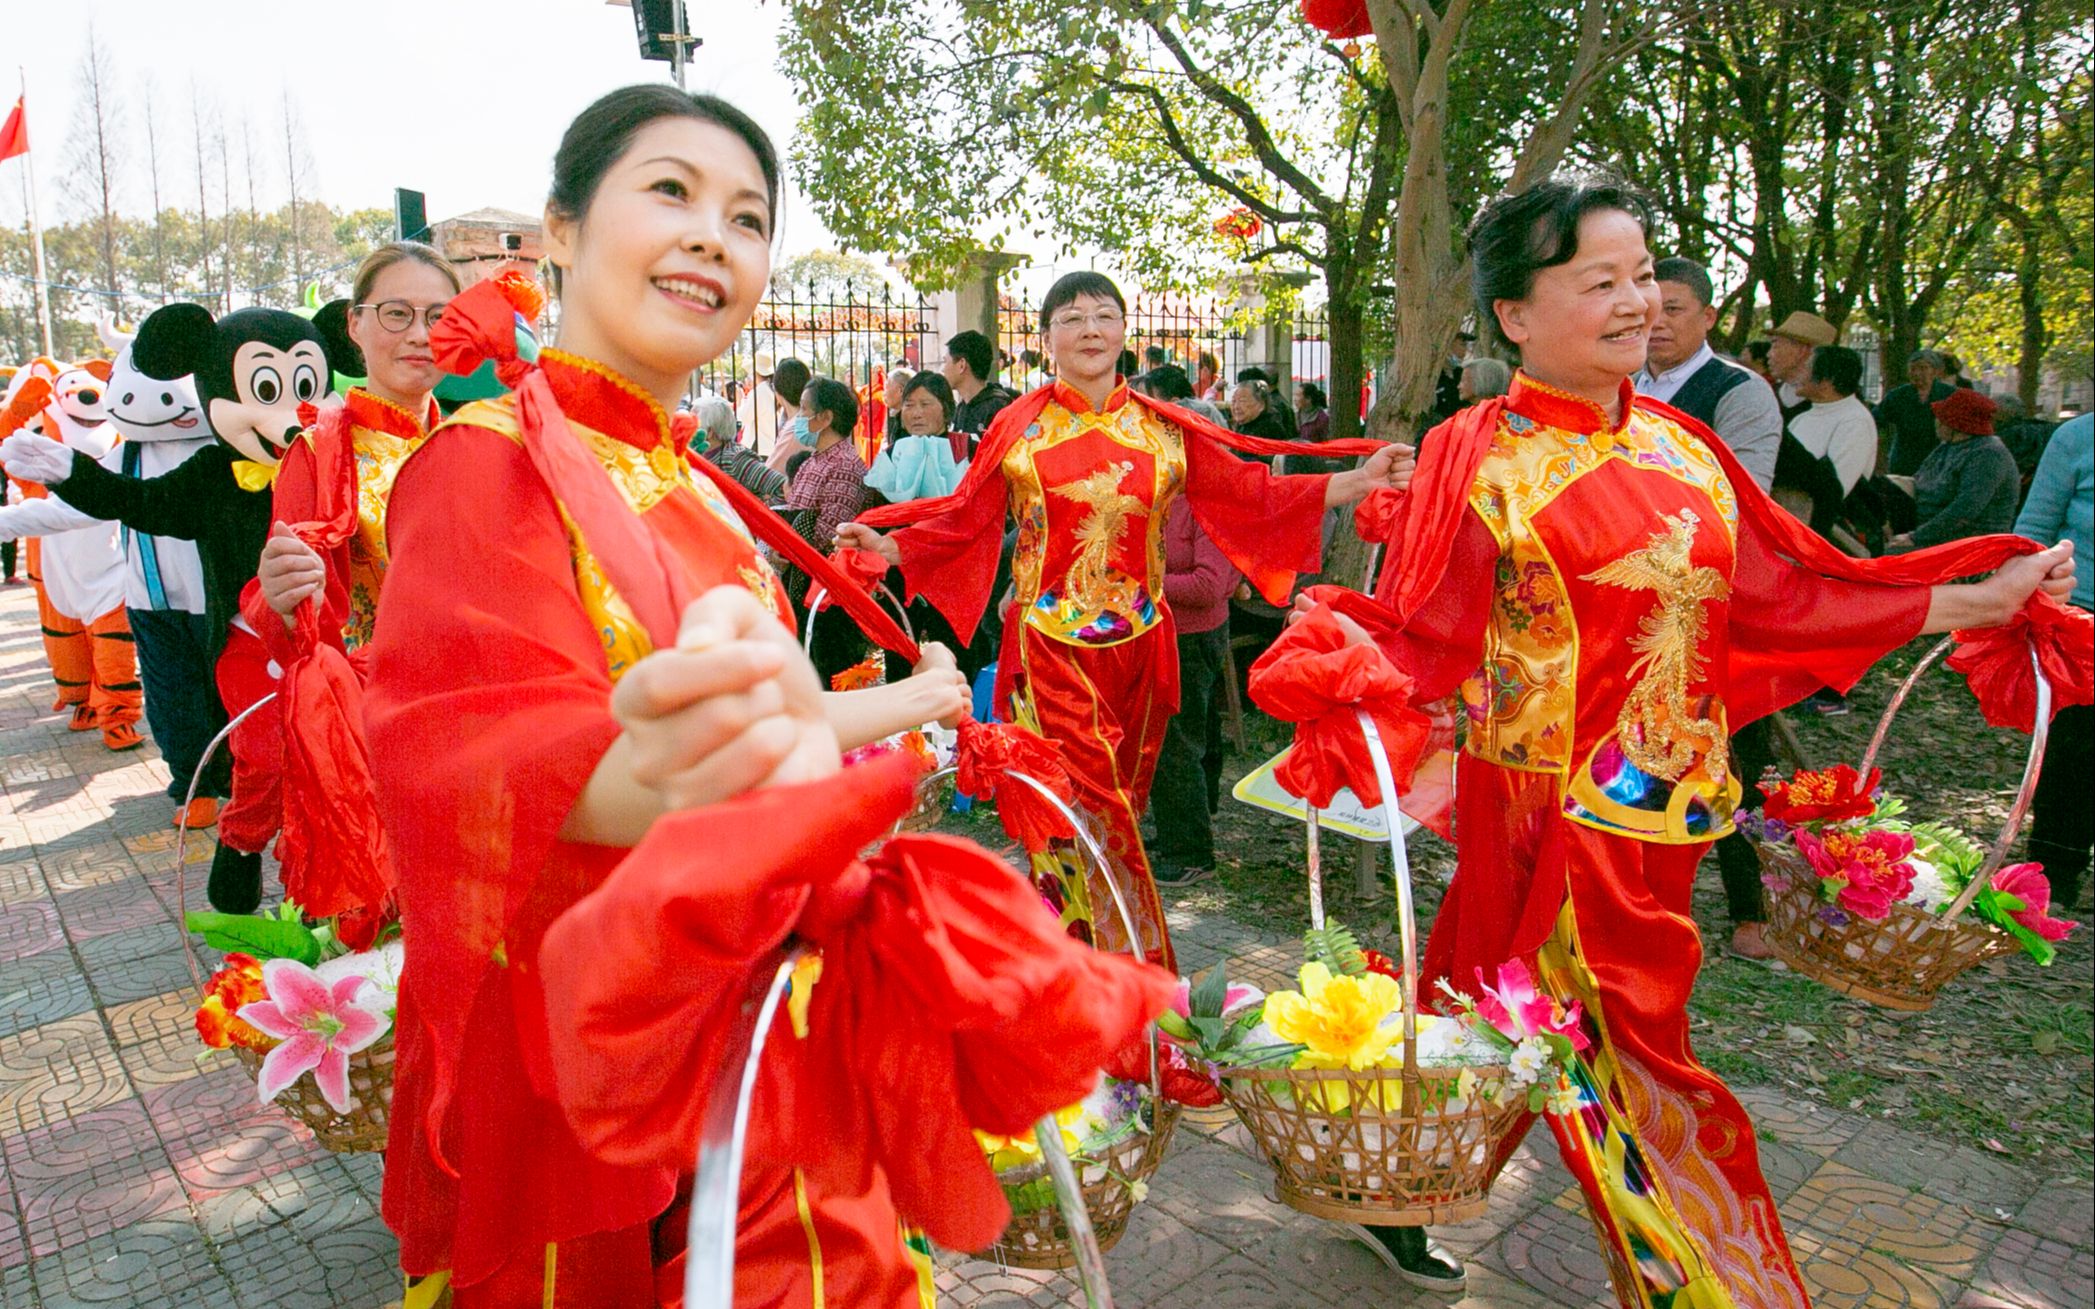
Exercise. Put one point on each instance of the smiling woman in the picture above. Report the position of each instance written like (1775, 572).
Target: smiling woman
(578, 637)
(1612, 598)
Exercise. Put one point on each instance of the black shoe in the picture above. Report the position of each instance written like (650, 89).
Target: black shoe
(1168, 873)
(236, 881)
(1413, 1256)
(1830, 703)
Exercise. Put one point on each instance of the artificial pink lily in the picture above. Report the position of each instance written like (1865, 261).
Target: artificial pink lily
(319, 1026)
(2027, 883)
(1518, 1010)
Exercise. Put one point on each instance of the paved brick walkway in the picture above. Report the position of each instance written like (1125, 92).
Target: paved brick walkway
(137, 1171)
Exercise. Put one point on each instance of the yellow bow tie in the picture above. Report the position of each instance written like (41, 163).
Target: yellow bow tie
(253, 476)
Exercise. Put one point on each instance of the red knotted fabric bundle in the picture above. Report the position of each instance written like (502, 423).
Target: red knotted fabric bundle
(987, 753)
(1313, 678)
(1375, 518)
(333, 848)
(864, 568)
(947, 1001)
(1996, 661)
(480, 324)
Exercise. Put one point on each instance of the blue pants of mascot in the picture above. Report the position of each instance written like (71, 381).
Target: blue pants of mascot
(181, 697)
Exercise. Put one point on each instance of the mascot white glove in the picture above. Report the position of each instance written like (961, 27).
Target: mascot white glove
(36, 458)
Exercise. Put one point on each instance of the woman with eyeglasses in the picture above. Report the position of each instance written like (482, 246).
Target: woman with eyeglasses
(335, 480)
(1090, 659)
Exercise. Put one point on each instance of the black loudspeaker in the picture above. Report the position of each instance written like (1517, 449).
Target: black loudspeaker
(652, 21)
(410, 215)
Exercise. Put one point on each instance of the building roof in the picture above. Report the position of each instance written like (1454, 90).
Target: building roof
(509, 220)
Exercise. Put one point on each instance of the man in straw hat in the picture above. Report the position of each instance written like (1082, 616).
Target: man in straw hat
(1789, 357)
(758, 412)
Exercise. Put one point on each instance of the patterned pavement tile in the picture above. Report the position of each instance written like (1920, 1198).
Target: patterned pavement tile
(21, 880)
(319, 1189)
(118, 906)
(98, 863)
(55, 1072)
(160, 1263)
(2062, 1211)
(1862, 1242)
(29, 928)
(1796, 1122)
(2031, 1272)
(1552, 1253)
(41, 989)
(110, 1194)
(1943, 1169)
(353, 1264)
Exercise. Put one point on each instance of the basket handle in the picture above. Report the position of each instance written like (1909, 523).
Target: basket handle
(1400, 856)
(196, 780)
(709, 1238)
(2032, 768)
(820, 596)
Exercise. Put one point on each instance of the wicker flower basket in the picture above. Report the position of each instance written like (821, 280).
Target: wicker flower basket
(1902, 961)
(1341, 1144)
(1040, 1237)
(363, 1129)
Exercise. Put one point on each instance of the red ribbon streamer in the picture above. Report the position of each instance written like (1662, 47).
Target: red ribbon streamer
(1313, 678)
(1996, 661)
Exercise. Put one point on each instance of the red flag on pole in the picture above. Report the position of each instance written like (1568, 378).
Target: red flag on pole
(14, 133)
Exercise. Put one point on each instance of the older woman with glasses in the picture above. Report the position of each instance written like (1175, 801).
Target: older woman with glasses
(1090, 655)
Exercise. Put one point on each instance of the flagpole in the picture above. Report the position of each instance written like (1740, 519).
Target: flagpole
(36, 226)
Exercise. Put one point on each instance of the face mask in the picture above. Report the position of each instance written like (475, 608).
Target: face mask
(797, 429)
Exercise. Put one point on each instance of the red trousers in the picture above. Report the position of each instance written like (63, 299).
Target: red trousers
(1664, 1152)
(253, 816)
(1105, 708)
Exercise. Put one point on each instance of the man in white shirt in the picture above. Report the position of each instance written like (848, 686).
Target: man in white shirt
(757, 415)
(1838, 427)
(1789, 356)
(1683, 371)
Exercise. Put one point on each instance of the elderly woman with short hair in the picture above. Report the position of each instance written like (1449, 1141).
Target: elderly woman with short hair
(716, 429)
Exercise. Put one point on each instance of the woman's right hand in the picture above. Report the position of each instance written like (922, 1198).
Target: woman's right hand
(732, 707)
(290, 571)
(857, 536)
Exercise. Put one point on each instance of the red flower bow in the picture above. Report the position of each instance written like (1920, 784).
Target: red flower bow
(1996, 661)
(480, 324)
(987, 753)
(1313, 678)
(947, 1001)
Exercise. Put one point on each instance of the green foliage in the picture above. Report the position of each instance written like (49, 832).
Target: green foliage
(1335, 947)
(282, 935)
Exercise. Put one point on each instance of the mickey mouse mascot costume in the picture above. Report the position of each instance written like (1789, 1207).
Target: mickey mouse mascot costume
(258, 374)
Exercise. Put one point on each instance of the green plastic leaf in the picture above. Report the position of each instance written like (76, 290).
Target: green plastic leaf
(1173, 1025)
(1538, 1099)
(1207, 995)
(264, 938)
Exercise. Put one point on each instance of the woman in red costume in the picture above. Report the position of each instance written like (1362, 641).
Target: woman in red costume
(1087, 468)
(542, 547)
(1610, 597)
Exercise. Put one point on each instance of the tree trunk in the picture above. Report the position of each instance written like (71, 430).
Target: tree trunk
(2029, 366)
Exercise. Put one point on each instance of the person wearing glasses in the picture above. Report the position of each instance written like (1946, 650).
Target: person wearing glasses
(335, 479)
(1090, 657)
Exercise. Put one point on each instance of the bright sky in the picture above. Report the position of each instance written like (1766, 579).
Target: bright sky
(464, 100)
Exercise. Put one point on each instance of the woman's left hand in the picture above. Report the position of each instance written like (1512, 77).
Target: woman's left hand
(945, 686)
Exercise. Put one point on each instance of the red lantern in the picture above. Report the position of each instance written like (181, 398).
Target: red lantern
(1338, 19)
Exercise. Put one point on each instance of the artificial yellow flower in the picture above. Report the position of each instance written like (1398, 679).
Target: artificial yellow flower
(1008, 1152)
(1340, 1023)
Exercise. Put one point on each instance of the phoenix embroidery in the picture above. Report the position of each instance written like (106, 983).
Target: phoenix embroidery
(1660, 732)
(1092, 575)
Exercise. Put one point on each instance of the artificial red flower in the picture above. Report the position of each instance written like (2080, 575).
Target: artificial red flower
(1870, 868)
(2027, 883)
(1519, 1010)
(1379, 962)
(1826, 795)
(1179, 1080)
(218, 1023)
